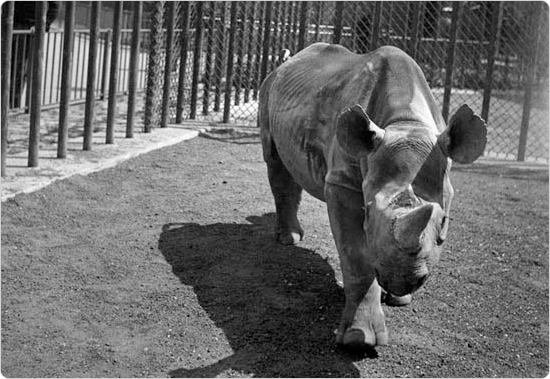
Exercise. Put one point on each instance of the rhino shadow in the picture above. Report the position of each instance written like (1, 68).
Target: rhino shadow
(277, 305)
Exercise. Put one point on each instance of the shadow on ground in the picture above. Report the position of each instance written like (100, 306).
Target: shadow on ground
(277, 305)
(242, 136)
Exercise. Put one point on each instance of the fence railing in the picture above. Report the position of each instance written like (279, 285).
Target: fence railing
(22, 57)
(219, 52)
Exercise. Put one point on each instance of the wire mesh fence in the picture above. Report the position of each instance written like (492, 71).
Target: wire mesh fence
(491, 55)
(470, 52)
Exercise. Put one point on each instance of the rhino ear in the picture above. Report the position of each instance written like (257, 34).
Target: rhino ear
(465, 138)
(356, 133)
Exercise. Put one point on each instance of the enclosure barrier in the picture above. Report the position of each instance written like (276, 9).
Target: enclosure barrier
(206, 61)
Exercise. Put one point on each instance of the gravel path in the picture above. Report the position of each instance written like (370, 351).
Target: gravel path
(164, 266)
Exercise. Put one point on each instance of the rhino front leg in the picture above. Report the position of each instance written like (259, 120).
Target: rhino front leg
(287, 194)
(362, 325)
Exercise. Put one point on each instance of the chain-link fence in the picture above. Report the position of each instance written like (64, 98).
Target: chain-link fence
(491, 55)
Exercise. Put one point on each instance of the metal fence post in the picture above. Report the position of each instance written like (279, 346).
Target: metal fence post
(90, 83)
(258, 51)
(416, 7)
(171, 19)
(376, 24)
(108, 39)
(184, 47)
(266, 41)
(113, 77)
(132, 75)
(496, 23)
(249, 52)
(7, 36)
(295, 19)
(66, 74)
(153, 74)
(319, 19)
(229, 73)
(209, 54)
(450, 60)
(278, 35)
(196, 60)
(302, 34)
(36, 88)
(530, 78)
(239, 50)
(220, 59)
(339, 11)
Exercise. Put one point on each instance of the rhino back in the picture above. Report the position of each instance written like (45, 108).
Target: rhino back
(306, 95)
(301, 101)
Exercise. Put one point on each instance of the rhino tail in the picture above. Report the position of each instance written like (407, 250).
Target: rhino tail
(284, 55)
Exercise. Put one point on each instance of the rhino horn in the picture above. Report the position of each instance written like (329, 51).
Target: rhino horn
(408, 228)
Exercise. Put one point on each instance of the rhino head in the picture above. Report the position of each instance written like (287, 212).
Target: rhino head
(406, 189)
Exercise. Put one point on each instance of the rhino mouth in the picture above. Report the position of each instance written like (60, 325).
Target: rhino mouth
(405, 287)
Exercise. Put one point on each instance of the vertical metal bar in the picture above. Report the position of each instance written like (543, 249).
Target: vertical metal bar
(376, 25)
(239, 51)
(14, 62)
(249, 49)
(108, 39)
(258, 51)
(450, 59)
(45, 69)
(530, 78)
(154, 77)
(209, 54)
(113, 77)
(36, 95)
(79, 66)
(288, 27)
(132, 76)
(196, 60)
(170, 21)
(52, 68)
(302, 34)
(295, 19)
(59, 74)
(68, 41)
(416, 7)
(319, 20)
(7, 37)
(184, 47)
(230, 53)
(356, 12)
(496, 23)
(338, 22)
(29, 69)
(220, 59)
(281, 14)
(90, 90)
(266, 42)
(277, 34)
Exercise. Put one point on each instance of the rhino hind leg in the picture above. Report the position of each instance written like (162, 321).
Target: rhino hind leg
(287, 194)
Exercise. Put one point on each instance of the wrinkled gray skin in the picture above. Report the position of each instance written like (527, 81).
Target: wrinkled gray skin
(363, 133)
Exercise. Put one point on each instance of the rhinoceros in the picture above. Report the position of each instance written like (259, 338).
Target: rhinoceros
(363, 133)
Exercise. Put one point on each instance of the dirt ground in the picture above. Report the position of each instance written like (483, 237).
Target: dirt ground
(165, 266)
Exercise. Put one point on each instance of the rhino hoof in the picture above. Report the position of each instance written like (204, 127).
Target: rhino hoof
(289, 238)
(359, 339)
